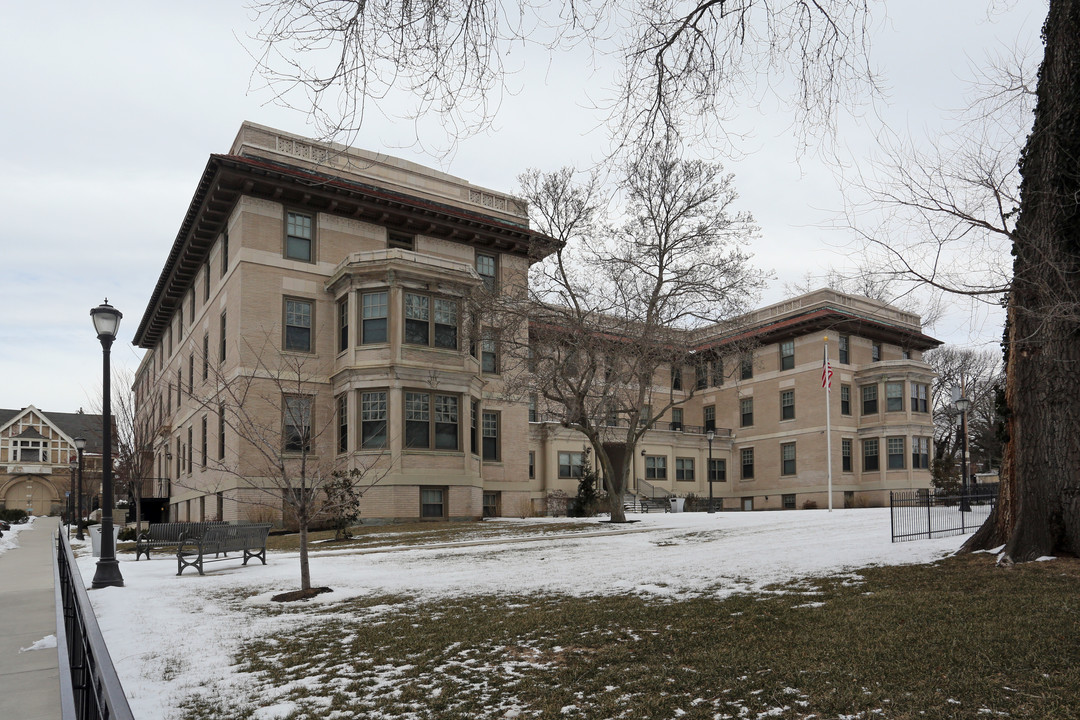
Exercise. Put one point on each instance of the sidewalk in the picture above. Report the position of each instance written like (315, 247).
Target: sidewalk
(29, 681)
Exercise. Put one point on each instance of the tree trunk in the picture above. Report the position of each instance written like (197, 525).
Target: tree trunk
(305, 571)
(614, 484)
(1039, 511)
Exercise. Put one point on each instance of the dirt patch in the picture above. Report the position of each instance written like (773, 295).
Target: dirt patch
(300, 594)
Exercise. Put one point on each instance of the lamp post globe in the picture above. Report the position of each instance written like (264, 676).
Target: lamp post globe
(106, 320)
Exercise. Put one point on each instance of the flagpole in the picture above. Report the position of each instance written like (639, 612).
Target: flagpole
(827, 382)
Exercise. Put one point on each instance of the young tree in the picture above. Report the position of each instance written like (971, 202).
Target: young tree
(285, 458)
(609, 307)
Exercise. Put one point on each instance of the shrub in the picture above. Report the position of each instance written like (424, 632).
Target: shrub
(127, 535)
(14, 515)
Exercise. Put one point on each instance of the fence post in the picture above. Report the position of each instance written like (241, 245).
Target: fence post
(929, 515)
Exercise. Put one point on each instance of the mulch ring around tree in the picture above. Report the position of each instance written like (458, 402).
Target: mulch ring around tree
(300, 594)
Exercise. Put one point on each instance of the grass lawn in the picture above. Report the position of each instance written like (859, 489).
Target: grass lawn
(955, 639)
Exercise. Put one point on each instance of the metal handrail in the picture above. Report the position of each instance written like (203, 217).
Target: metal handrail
(90, 689)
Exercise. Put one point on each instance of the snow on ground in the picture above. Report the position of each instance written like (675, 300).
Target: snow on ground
(11, 537)
(169, 635)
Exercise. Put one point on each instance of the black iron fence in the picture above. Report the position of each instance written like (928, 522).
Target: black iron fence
(924, 514)
(89, 686)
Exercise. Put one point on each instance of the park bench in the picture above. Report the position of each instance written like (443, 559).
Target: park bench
(648, 504)
(160, 535)
(222, 540)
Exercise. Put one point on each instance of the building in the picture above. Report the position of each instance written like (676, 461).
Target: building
(337, 287)
(758, 387)
(38, 459)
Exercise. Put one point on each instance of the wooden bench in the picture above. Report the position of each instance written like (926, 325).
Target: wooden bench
(222, 540)
(160, 535)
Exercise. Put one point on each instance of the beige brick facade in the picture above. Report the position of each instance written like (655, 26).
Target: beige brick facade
(353, 271)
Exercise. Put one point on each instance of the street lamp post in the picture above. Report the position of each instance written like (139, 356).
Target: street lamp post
(106, 322)
(80, 445)
(709, 470)
(963, 404)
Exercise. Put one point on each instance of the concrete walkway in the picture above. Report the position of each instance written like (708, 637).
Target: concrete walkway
(30, 680)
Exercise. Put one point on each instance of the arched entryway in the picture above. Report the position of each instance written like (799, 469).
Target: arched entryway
(31, 494)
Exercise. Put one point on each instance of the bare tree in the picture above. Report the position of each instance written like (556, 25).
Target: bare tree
(133, 455)
(679, 67)
(980, 373)
(611, 306)
(287, 457)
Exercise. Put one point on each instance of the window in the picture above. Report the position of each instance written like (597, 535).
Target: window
(920, 394)
(684, 469)
(204, 434)
(869, 399)
(491, 504)
(221, 432)
(206, 281)
(746, 412)
(845, 399)
(29, 451)
(190, 373)
(179, 386)
(655, 467)
(716, 369)
(474, 427)
(645, 417)
(298, 325)
(489, 353)
(179, 457)
(870, 455)
(432, 503)
(789, 501)
(191, 306)
(343, 423)
(431, 421)
(710, 417)
(372, 420)
(676, 378)
(224, 254)
(424, 327)
(485, 268)
(676, 419)
(343, 324)
(190, 447)
(297, 424)
(373, 318)
(787, 459)
(906, 354)
(787, 355)
(894, 447)
(787, 405)
(570, 464)
(920, 453)
(533, 415)
(747, 456)
(401, 241)
(205, 356)
(180, 320)
(746, 369)
(532, 464)
(717, 470)
(221, 341)
(298, 237)
(701, 377)
(845, 344)
(894, 397)
(875, 352)
(491, 436)
(845, 454)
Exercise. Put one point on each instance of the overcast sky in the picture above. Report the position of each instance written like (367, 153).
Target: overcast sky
(111, 110)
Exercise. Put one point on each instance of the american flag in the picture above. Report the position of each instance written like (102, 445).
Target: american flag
(826, 371)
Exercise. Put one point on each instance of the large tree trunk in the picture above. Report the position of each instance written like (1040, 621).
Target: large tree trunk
(1039, 511)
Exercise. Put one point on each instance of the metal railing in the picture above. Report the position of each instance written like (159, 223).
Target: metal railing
(926, 514)
(89, 686)
(647, 489)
